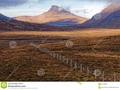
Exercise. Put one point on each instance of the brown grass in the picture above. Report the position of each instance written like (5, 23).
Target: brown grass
(105, 56)
(75, 33)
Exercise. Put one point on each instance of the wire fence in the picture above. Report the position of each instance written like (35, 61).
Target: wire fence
(98, 74)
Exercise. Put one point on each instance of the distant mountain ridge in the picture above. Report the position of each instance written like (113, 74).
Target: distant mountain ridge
(56, 16)
(10, 24)
(104, 17)
(112, 21)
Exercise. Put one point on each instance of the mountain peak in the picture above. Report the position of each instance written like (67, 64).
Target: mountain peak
(56, 8)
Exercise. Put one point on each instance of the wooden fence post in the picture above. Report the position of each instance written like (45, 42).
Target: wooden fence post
(88, 71)
(103, 76)
(81, 66)
(67, 61)
(75, 66)
(71, 63)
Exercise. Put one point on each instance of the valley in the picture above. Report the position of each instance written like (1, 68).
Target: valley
(58, 43)
(92, 48)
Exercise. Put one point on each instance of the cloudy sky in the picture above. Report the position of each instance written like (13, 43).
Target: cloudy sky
(85, 8)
